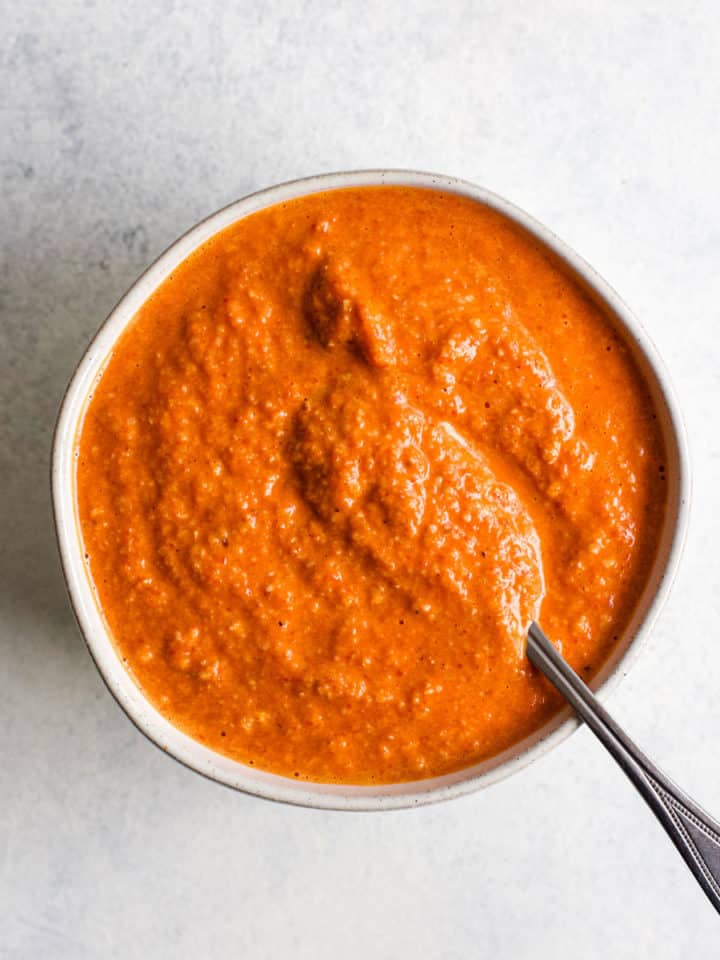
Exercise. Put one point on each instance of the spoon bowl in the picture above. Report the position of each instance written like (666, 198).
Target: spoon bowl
(88, 609)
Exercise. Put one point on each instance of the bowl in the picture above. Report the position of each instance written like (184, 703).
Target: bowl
(334, 796)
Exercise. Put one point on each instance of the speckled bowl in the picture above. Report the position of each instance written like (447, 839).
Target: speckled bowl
(89, 612)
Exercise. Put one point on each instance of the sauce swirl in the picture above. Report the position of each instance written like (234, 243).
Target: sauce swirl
(337, 463)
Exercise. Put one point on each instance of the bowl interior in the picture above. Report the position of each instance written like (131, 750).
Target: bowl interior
(89, 612)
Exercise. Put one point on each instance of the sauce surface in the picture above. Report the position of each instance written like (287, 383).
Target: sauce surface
(338, 462)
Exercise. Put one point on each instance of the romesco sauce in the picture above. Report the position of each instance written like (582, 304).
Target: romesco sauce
(338, 462)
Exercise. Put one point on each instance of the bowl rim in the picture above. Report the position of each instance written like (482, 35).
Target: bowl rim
(86, 605)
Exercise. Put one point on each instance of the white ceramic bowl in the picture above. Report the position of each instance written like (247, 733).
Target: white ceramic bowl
(86, 604)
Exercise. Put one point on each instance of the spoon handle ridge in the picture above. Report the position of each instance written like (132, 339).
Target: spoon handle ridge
(695, 834)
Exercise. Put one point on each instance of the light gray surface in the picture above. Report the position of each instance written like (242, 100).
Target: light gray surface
(121, 125)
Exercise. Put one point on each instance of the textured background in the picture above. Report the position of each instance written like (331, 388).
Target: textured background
(121, 125)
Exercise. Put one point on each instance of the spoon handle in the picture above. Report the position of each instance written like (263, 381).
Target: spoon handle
(695, 834)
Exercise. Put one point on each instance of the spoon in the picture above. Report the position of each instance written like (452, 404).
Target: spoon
(695, 834)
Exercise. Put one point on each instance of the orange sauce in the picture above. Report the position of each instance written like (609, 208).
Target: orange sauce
(338, 462)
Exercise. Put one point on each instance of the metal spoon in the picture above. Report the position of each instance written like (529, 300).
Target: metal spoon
(694, 833)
